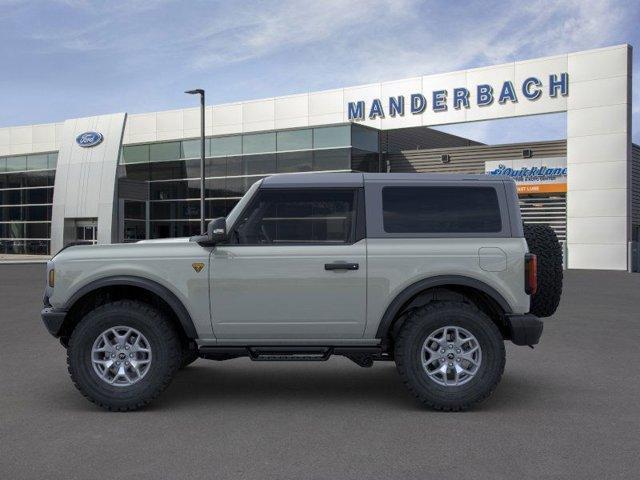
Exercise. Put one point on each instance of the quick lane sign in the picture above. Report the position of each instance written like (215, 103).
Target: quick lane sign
(542, 175)
(481, 95)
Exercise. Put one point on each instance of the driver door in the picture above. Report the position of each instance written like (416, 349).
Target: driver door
(295, 268)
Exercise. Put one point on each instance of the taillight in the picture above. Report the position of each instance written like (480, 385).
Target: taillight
(530, 274)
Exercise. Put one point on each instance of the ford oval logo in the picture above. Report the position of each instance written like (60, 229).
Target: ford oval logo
(89, 139)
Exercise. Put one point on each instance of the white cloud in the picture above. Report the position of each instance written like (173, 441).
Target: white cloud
(271, 47)
(289, 24)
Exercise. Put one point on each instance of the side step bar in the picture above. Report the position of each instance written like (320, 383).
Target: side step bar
(363, 356)
(288, 354)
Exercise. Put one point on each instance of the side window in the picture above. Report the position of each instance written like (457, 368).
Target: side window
(441, 210)
(298, 216)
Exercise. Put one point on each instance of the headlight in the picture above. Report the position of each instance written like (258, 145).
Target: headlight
(52, 278)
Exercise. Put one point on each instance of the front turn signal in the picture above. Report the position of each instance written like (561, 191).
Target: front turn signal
(52, 278)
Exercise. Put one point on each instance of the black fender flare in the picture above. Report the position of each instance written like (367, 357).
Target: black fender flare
(438, 281)
(151, 286)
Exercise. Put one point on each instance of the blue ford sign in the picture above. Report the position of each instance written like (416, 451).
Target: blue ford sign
(89, 139)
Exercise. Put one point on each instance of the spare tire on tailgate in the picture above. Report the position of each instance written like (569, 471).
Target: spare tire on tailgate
(543, 242)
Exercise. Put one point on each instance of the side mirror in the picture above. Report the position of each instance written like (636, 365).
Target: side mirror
(217, 230)
(216, 233)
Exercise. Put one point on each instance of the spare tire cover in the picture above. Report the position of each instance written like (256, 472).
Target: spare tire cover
(543, 242)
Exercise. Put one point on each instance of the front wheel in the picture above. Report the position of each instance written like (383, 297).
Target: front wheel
(123, 354)
(450, 355)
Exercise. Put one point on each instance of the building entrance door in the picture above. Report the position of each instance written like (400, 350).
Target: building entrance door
(86, 232)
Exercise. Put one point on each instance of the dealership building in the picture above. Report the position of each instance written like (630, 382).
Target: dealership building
(125, 177)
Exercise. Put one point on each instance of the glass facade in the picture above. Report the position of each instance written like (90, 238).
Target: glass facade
(233, 163)
(26, 196)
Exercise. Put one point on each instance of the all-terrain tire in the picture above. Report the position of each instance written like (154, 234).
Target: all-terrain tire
(408, 355)
(163, 341)
(543, 242)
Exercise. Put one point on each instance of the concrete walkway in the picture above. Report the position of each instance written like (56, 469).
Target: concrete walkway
(12, 258)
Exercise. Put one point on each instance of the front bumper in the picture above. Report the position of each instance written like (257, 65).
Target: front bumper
(53, 320)
(524, 329)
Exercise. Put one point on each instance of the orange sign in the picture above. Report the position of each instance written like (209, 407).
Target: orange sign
(543, 188)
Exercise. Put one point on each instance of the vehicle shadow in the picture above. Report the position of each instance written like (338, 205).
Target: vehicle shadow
(241, 383)
(249, 384)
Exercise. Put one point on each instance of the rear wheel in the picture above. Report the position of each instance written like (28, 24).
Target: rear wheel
(450, 355)
(123, 354)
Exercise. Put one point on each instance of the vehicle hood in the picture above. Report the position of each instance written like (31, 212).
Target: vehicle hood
(143, 249)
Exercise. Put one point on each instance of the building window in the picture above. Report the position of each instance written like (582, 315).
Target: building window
(134, 230)
(259, 164)
(16, 164)
(295, 140)
(162, 152)
(223, 146)
(233, 164)
(135, 154)
(26, 195)
(259, 143)
(364, 139)
(294, 162)
(332, 137)
(215, 167)
(137, 171)
(363, 161)
(134, 210)
(38, 162)
(191, 148)
(172, 229)
(338, 159)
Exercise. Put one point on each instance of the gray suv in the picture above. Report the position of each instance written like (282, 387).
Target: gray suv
(433, 272)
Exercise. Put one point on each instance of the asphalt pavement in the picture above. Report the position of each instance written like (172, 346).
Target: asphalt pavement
(568, 409)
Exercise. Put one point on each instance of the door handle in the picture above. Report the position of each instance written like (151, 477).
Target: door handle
(341, 266)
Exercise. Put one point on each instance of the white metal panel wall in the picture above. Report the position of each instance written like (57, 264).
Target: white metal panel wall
(330, 106)
(599, 158)
(28, 139)
(86, 177)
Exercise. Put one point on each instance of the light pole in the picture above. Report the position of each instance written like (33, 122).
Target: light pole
(200, 91)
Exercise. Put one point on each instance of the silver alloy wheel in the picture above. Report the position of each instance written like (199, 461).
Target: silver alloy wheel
(451, 356)
(121, 356)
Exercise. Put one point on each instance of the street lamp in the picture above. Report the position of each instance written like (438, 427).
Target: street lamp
(200, 91)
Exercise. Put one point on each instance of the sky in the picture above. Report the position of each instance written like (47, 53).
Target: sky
(74, 58)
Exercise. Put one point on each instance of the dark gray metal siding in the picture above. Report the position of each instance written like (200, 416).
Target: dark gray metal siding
(549, 210)
(469, 159)
(635, 190)
(416, 138)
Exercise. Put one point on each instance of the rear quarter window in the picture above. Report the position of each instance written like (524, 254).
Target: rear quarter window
(441, 209)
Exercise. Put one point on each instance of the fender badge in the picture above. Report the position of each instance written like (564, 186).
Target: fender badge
(198, 266)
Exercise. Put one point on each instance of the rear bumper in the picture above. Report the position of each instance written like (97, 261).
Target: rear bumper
(524, 329)
(53, 320)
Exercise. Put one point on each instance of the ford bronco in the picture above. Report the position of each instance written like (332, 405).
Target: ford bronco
(434, 272)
